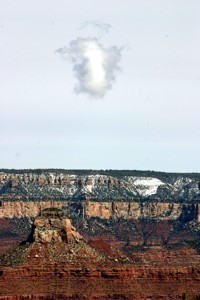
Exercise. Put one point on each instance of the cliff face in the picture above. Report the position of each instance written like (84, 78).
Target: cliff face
(105, 210)
(33, 186)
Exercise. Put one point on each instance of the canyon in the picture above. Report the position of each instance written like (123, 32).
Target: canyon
(55, 262)
(142, 227)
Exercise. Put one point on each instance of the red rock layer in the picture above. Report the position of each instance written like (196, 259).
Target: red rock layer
(97, 281)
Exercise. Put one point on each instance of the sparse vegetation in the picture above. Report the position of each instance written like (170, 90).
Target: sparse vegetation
(167, 177)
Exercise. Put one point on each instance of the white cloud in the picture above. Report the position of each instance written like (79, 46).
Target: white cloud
(94, 66)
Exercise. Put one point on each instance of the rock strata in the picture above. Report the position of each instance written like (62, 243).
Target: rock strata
(161, 187)
(106, 210)
(56, 260)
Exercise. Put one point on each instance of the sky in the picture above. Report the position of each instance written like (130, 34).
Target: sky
(100, 84)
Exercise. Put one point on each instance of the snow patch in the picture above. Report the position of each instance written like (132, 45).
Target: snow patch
(146, 186)
(89, 188)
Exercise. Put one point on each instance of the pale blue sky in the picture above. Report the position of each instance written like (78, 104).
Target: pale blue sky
(150, 118)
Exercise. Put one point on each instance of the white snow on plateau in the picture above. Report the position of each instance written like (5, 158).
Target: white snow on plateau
(146, 186)
(89, 188)
(102, 185)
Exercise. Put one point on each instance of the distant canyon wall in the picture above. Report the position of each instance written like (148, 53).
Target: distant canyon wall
(46, 186)
(169, 197)
(105, 210)
(59, 180)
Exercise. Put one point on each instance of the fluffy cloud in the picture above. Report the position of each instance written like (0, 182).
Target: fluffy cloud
(94, 66)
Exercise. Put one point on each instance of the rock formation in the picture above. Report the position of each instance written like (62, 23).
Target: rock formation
(52, 226)
(52, 230)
